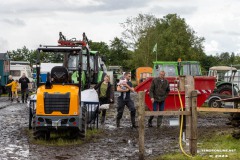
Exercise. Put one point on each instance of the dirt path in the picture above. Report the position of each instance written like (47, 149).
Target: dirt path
(117, 143)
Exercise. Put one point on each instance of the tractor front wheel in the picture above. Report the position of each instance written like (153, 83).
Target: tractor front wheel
(214, 104)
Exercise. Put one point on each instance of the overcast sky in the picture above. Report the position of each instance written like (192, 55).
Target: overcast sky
(34, 22)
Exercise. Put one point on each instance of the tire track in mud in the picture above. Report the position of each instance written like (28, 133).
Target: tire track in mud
(13, 143)
(115, 143)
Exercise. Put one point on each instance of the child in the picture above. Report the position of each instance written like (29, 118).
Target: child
(121, 83)
(14, 85)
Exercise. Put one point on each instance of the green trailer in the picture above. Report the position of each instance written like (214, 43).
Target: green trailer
(4, 71)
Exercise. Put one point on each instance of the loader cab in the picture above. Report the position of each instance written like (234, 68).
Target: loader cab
(70, 65)
(93, 68)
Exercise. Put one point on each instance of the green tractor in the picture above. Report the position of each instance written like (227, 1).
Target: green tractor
(174, 68)
(93, 66)
(224, 83)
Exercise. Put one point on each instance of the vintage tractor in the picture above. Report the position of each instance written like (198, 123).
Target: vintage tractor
(225, 88)
(224, 85)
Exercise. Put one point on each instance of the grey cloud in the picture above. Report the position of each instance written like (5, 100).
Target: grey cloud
(3, 45)
(181, 10)
(112, 5)
(229, 33)
(16, 21)
(68, 6)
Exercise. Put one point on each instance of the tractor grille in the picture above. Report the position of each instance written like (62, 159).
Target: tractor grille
(56, 102)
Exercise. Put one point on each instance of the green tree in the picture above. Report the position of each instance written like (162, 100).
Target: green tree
(119, 54)
(135, 28)
(174, 39)
(20, 54)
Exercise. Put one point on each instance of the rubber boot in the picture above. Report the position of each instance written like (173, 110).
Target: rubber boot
(150, 121)
(133, 122)
(18, 100)
(118, 123)
(159, 121)
(103, 120)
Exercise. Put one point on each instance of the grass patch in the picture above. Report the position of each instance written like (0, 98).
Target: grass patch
(63, 139)
(221, 145)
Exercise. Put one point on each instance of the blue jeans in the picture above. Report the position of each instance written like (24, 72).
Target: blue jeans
(157, 106)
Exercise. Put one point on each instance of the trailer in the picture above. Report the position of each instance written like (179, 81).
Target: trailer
(4, 71)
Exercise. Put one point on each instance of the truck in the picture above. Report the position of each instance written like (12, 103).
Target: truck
(4, 71)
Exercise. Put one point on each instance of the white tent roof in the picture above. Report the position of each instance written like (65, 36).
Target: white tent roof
(47, 67)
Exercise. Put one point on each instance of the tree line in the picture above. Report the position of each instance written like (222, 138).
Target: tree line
(170, 37)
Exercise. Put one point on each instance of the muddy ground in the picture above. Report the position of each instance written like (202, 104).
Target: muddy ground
(115, 143)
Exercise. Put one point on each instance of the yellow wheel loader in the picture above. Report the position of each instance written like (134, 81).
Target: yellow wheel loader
(58, 101)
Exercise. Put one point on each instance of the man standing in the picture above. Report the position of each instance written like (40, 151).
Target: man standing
(24, 87)
(126, 100)
(10, 80)
(158, 92)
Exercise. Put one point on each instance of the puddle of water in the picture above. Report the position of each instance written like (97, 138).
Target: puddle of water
(174, 122)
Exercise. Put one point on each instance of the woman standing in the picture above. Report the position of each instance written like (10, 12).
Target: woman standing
(105, 94)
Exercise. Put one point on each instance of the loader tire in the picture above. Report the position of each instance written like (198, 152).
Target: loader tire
(38, 134)
(30, 118)
(84, 122)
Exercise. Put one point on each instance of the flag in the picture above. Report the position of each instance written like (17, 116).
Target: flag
(155, 48)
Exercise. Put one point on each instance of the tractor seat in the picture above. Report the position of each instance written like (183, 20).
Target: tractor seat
(59, 74)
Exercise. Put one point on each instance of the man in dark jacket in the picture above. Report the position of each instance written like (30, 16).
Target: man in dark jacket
(159, 91)
(122, 101)
(24, 87)
(10, 79)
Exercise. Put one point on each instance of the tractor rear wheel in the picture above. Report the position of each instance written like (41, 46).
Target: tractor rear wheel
(226, 90)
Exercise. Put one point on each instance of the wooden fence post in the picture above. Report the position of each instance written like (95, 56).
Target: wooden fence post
(141, 117)
(189, 87)
(193, 138)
